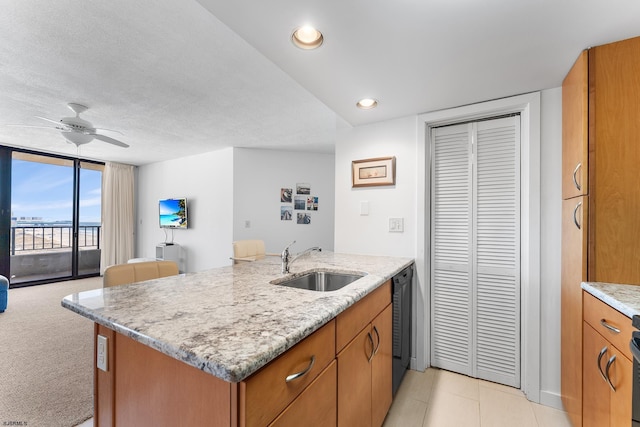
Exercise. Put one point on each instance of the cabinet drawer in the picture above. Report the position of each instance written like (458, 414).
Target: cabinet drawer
(355, 318)
(317, 403)
(596, 312)
(266, 393)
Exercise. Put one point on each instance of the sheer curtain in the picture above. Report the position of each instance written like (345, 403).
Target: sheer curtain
(117, 215)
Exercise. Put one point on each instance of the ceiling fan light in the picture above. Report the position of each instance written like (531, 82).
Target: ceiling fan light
(77, 138)
(307, 37)
(367, 103)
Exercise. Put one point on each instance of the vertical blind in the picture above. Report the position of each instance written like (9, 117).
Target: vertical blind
(475, 277)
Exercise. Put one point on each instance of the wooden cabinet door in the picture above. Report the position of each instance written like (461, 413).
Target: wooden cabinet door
(615, 230)
(575, 142)
(315, 406)
(621, 374)
(381, 367)
(574, 271)
(354, 381)
(596, 390)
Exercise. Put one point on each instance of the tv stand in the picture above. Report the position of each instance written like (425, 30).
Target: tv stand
(169, 252)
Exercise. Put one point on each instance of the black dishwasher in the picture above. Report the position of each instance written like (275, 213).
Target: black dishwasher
(401, 325)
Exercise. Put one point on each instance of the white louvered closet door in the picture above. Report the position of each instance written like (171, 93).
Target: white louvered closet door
(475, 265)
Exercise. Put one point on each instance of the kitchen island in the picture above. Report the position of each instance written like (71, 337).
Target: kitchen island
(188, 346)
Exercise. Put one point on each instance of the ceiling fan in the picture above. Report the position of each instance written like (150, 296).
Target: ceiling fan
(77, 130)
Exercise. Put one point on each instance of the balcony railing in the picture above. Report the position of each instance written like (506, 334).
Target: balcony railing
(43, 238)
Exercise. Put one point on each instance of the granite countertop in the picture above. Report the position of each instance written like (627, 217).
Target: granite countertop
(624, 298)
(231, 321)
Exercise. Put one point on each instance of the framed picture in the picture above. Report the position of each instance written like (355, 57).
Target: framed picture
(373, 172)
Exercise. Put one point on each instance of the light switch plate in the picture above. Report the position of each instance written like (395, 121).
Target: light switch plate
(364, 208)
(396, 225)
(102, 353)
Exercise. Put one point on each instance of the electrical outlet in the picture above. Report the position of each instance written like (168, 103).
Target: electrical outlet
(102, 353)
(396, 225)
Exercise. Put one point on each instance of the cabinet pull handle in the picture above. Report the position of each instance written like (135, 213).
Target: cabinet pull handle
(609, 327)
(302, 373)
(575, 181)
(609, 363)
(372, 346)
(575, 215)
(378, 335)
(602, 352)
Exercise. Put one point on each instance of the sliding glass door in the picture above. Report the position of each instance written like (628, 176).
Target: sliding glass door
(55, 218)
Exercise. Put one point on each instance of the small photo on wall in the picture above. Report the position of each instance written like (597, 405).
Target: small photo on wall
(303, 188)
(304, 218)
(286, 213)
(312, 203)
(299, 202)
(285, 195)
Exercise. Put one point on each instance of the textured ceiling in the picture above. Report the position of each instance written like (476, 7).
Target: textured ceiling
(167, 74)
(182, 78)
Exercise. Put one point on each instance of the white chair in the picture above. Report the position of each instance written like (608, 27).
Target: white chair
(248, 250)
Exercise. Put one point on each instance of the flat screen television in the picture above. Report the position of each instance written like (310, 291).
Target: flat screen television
(173, 213)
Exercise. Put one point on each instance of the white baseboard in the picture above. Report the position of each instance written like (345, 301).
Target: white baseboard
(548, 398)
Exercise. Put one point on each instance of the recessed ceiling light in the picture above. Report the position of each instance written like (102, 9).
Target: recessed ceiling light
(367, 103)
(307, 37)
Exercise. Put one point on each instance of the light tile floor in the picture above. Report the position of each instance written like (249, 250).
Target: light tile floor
(437, 398)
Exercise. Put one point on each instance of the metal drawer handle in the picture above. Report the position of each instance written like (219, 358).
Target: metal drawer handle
(372, 346)
(575, 181)
(575, 215)
(609, 363)
(609, 327)
(602, 352)
(378, 335)
(302, 373)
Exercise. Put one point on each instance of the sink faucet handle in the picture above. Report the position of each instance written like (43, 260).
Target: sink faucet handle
(285, 252)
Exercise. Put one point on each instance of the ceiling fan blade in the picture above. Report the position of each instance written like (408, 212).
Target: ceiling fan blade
(35, 127)
(110, 130)
(109, 140)
(58, 122)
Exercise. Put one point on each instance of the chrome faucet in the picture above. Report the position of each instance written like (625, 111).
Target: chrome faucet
(286, 256)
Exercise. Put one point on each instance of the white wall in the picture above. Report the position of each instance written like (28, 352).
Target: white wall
(369, 234)
(258, 176)
(206, 180)
(358, 234)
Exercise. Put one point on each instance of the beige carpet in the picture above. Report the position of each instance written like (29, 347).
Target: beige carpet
(46, 357)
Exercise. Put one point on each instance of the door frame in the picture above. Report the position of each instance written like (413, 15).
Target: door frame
(528, 105)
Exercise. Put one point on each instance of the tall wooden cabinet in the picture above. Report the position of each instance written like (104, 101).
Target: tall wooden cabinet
(600, 190)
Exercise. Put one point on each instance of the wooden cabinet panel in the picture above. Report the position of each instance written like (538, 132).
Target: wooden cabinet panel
(266, 393)
(153, 389)
(381, 367)
(574, 271)
(614, 73)
(596, 390)
(595, 311)
(354, 382)
(352, 320)
(575, 151)
(316, 405)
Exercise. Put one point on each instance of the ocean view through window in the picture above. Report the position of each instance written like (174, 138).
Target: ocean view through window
(55, 218)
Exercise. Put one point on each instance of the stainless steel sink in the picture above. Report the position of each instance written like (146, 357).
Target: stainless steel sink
(321, 281)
